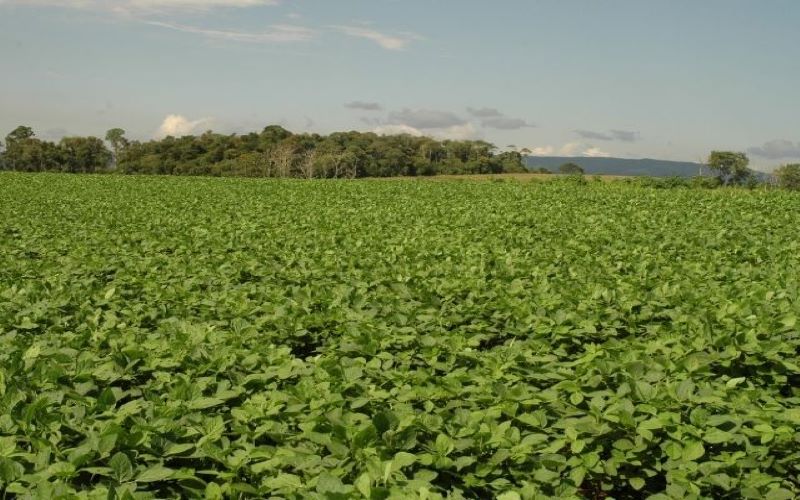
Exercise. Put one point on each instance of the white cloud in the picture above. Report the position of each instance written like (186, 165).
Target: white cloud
(613, 135)
(595, 153)
(146, 10)
(570, 149)
(397, 41)
(429, 122)
(543, 151)
(142, 5)
(458, 132)
(276, 33)
(397, 129)
(177, 125)
(455, 132)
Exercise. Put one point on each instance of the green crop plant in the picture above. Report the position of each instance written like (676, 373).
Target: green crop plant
(166, 337)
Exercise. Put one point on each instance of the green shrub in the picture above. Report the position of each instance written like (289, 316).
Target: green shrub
(705, 182)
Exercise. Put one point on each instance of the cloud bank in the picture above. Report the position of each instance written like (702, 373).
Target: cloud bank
(570, 149)
(777, 150)
(430, 122)
(493, 118)
(455, 132)
(440, 123)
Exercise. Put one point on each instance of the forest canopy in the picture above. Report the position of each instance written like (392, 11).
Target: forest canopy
(273, 152)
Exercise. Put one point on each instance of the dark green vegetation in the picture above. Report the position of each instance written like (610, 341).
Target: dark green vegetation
(789, 176)
(24, 152)
(730, 167)
(274, 152)
(191, 337)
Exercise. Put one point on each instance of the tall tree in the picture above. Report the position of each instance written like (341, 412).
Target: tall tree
(20, 134)
(116, 137)
(25, 152)
(730, 167)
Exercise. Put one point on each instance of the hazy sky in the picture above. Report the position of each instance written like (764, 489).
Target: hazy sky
(668, 79)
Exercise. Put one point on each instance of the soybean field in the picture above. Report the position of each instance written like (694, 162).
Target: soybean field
(181, 337)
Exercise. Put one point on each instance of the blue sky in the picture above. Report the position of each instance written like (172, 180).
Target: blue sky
(668, 79)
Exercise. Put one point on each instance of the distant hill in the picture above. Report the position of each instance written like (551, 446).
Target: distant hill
(620, 166)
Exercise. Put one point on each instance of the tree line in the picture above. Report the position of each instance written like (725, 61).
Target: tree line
(273, 152)
(277, 152)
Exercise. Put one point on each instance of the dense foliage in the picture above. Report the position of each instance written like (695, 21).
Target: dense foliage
(192, 337)
(788, 176)
(23, 151)
(274, 152)
(731, 167)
